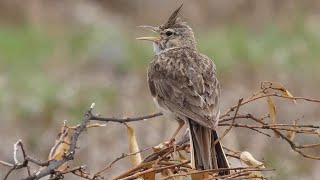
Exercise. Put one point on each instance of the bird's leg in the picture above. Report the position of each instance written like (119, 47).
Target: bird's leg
(172, 139)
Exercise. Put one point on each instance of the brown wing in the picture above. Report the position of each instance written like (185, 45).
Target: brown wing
(186, 85)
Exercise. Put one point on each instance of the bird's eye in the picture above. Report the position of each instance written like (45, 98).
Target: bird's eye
(169, 33)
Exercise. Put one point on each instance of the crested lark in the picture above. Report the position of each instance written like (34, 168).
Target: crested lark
(184, 87)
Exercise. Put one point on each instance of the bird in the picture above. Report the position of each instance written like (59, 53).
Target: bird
(184, 86)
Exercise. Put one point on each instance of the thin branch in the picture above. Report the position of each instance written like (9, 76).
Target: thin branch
(24, 157)
(98, 174)
(292, 144)
(6, 163)
(17, 164)
(9, 172)
(62, 135)
(37, 162)
(231, 125)
(272, 126)
(78, 171)
(164, 152)
(124, 120)
(15, 152)
(154, 170)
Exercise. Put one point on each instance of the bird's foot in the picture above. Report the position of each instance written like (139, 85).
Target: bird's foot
(171, 143)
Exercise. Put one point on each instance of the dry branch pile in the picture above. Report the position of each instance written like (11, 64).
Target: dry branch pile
(167, 161)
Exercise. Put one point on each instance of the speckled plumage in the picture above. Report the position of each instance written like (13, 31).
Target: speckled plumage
(183, 81)
(184, 86)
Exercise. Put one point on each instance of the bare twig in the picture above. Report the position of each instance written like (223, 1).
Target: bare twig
(24, 157)
(231, 125)
(124, 120)
(294, 146)
(9, 172)
(154, 170)
(78, 171)
(15, 152)
(98, 174)
(17, 164)
(6, 163)
(37, 162)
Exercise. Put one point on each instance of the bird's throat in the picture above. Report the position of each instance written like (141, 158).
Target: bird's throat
(156, 48)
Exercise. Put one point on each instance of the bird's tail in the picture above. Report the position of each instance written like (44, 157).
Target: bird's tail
(204, 154)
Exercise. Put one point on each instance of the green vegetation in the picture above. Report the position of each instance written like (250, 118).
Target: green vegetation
(269, 47)
(26, 52)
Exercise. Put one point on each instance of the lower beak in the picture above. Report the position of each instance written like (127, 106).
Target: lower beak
(153, 39)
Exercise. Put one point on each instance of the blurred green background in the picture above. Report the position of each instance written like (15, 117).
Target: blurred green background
(57, 57)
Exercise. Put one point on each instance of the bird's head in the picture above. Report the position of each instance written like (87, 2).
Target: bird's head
(171, 34)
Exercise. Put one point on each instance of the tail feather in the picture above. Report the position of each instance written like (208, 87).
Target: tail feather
(222, 160)
(204, 154)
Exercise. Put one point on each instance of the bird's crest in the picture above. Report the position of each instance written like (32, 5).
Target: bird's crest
(173, 19)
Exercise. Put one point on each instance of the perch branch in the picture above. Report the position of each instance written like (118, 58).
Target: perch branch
(125, 120)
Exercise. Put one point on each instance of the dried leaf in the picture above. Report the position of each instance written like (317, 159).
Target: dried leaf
(149, 176)
(248, 159)
(62, 146)
(272, 113)
(255, 175)
(158, 147)
(133, 147)
(291, 134)
(166, 173)
(182, 158)
(281, 88)
(288, 94)
(62, 143)
(200, 176)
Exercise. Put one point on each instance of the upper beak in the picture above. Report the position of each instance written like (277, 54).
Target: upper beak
(153, 29)
(153, 39)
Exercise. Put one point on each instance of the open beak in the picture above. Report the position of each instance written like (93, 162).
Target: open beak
(153, 29)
